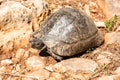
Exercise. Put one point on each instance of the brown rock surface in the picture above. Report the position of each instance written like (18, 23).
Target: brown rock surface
(112, 37)
(110, 7)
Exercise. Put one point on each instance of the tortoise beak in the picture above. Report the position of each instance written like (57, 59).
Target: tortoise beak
(36, 43)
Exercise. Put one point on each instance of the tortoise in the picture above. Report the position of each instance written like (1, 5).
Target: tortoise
(66, 32)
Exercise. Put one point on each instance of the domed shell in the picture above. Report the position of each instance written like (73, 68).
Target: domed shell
(68, 31)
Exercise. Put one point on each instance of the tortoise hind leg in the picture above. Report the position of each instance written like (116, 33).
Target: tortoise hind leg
(57, 57)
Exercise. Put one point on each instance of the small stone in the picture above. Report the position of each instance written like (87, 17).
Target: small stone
(6, 62)
(33, 51)
(118, 29)
(106, 78)
(35, 63)
(1, 77)
(117, 71)
(117, 77)
(2, 69)
(87, 9)
(20, 53)
(113, 37)
(52, 78)
(15, 60)
(26, 54)
(38, 75)
(57, 76)
(93, 7)
(100, 24)
(76, 64)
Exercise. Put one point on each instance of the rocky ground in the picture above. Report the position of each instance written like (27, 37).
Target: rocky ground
(18, 61)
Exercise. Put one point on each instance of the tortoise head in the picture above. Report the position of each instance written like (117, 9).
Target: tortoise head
(36, 43)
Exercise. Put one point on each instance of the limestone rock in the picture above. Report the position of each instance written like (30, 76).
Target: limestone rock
(110, 7)
(35, 63)
(106, 78)
(6, 62)
(15, 25)
(76, 64)
(117, 71)
(37, 5)
(112, 37)
(104, 58)
(38, 75)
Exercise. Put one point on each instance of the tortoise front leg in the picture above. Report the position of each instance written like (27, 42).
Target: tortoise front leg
(57, 57)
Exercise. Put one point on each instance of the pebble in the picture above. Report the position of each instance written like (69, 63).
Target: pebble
(20, 53)
(106, 78)
(6, 62)
(39, 75)
(117, 71)
(35, 63)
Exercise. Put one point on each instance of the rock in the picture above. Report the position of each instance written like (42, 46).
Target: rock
(104, 58)
(37, 5)
(56, 76)
(106, 78)
(38, 75)
(76, 64)
(15, 25)
(112, 37)
(6, 62)
(117, 71)
(100, 24)
(33, 51)
(26, 55)
(118, 29)
(20, 53)
(35, 63)
(117, 77)
(110, 7)
(111, 77)
(16, 20)
(93, 7)
(13, 14)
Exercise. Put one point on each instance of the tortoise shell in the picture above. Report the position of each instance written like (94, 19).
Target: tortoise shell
(67, 32)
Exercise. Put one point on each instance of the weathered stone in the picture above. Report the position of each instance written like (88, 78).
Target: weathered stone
(106, 78)
(37, 5)
(13, 14)
(112, 37)
(118, 29)
(39, 75)
(117, 71)
(76, 64)
(20, 53)
(26, 55)
(6, 62)
(56, 76)
(110, 7)
(35, 63)
(104, 58)
(33, 51)
(16, 21)
(15, 27)
(110, 77)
